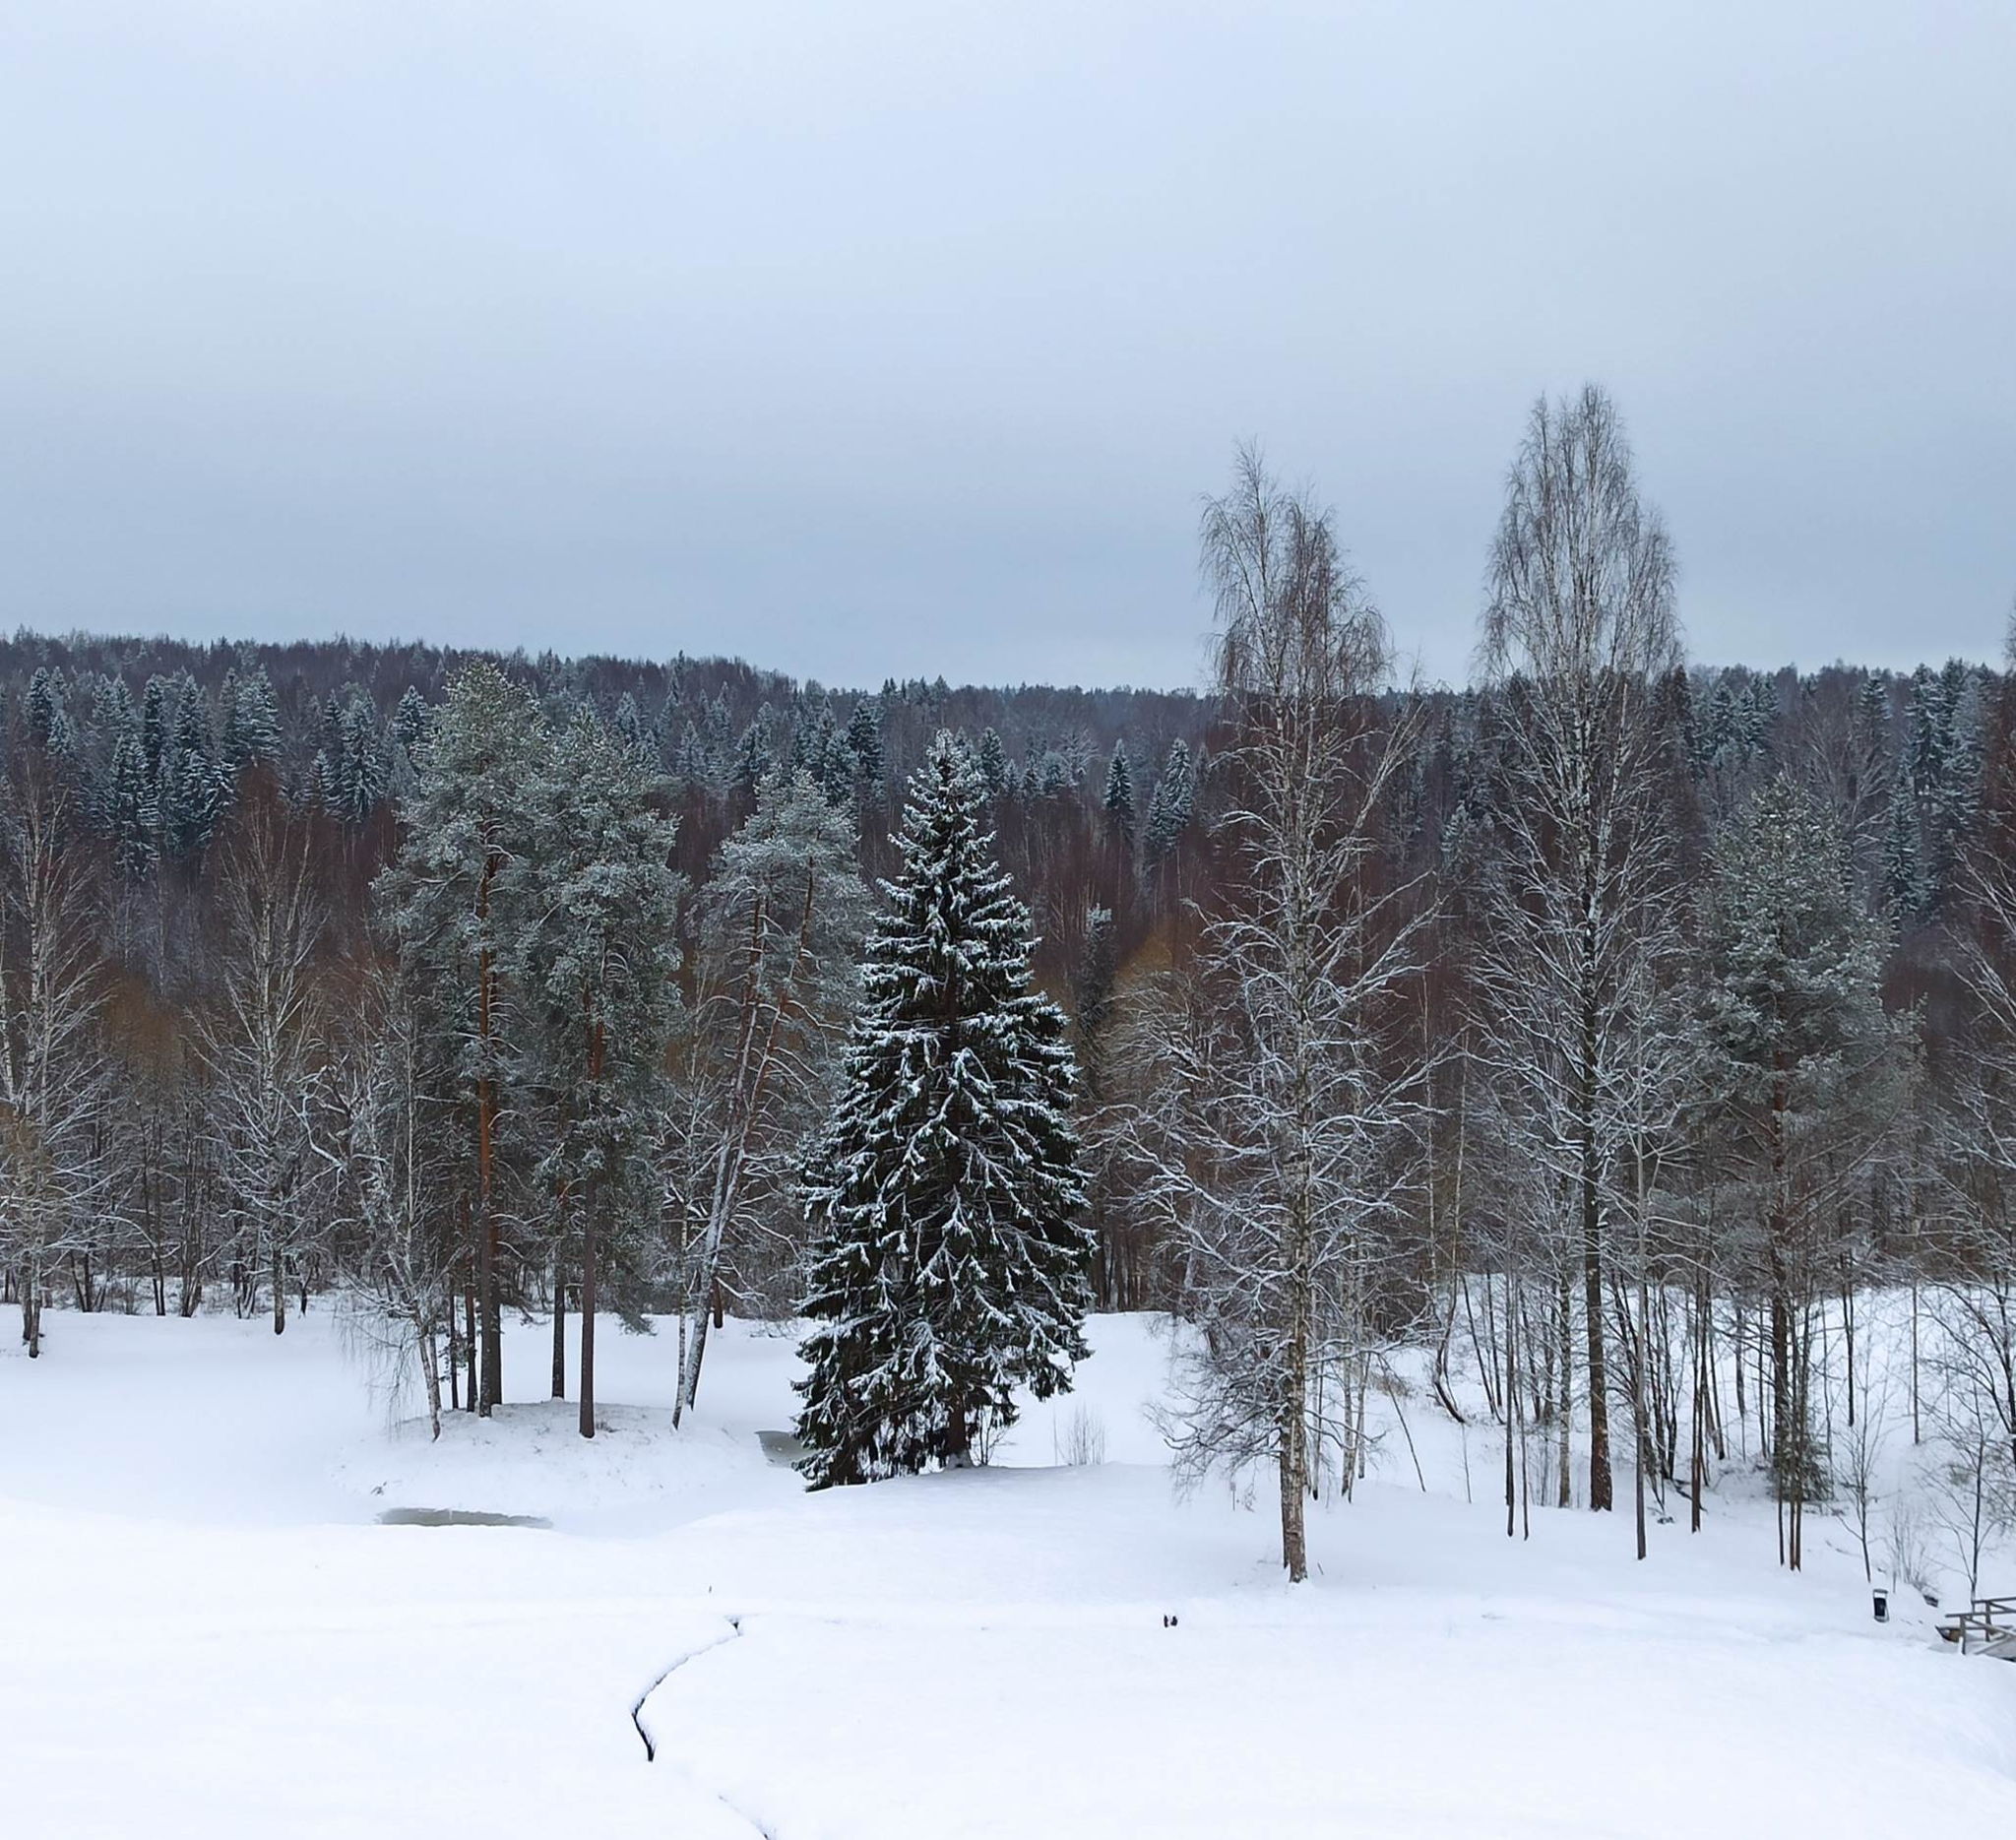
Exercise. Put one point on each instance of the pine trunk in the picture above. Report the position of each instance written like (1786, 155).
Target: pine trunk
(588, 1236)
(559, 1328)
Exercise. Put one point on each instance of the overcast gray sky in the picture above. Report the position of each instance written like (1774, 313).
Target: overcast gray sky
(900, 337)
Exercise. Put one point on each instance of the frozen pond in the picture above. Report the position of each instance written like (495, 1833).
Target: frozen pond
(457, 1517)
(782, 1447)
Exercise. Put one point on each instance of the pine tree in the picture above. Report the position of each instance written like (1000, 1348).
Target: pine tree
(447, 901)
(951, 1267)
(596, 964)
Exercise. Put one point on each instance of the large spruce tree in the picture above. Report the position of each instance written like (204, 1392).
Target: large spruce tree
(951, 1266)
(1802, 1054)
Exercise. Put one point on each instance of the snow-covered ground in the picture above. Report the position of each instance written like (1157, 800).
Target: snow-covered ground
(209, 1631)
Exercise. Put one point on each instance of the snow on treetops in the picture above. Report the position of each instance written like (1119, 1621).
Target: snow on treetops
(950, 1266)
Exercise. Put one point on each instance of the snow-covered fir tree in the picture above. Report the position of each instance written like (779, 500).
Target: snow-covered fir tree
(951, 1266)
(156, 721)
(1800, 1049)
(1168, 810)
(994, 762)
(248, 727)
(1118, 800)
(410, 720)
(358, 765)
(629, 726)
(189, 797)
(48, 719)
(864, 747)
(754, 759)
(130, 818)
(1904, 882)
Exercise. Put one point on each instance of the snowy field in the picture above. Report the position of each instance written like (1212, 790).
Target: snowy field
(209, 1631)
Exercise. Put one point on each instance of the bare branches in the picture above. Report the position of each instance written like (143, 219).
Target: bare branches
(1276, 1151)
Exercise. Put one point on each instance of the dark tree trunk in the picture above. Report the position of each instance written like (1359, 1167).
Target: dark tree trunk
(559, 1328)
(588, 1238)
(469, 1343)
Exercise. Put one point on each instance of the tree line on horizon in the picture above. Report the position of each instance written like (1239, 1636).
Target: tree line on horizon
(1614, 1025)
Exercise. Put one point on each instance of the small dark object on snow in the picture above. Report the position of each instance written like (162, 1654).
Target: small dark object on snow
(1168, 1622)
(1882, 1605)
(1931, 1600)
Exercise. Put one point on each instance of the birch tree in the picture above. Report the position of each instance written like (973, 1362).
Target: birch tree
(52, 1072)
(1287, 1168)
(778, 931)
(1579, 636)
(397, 1250)
(262, 1043)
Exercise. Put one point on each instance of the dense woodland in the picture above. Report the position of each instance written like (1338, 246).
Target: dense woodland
(1615, 1024)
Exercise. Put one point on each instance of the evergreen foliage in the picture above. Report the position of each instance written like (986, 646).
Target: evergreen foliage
(248, 727)
(864, 744)
(1118, 800)
(129, 811)
(359, 768)
(189, 800)
(950, 1267)
(595, 958)
(1169, 810)
(994, 762)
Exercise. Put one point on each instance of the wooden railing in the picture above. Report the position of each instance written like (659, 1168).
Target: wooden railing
(1990, 1627)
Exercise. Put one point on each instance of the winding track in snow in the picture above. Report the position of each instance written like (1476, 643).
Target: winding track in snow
(692, 1654)
(651, 1749)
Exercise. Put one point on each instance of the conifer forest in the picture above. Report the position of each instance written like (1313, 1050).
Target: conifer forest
(1616, 1024)
(1007, 923)
(674, 1096)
